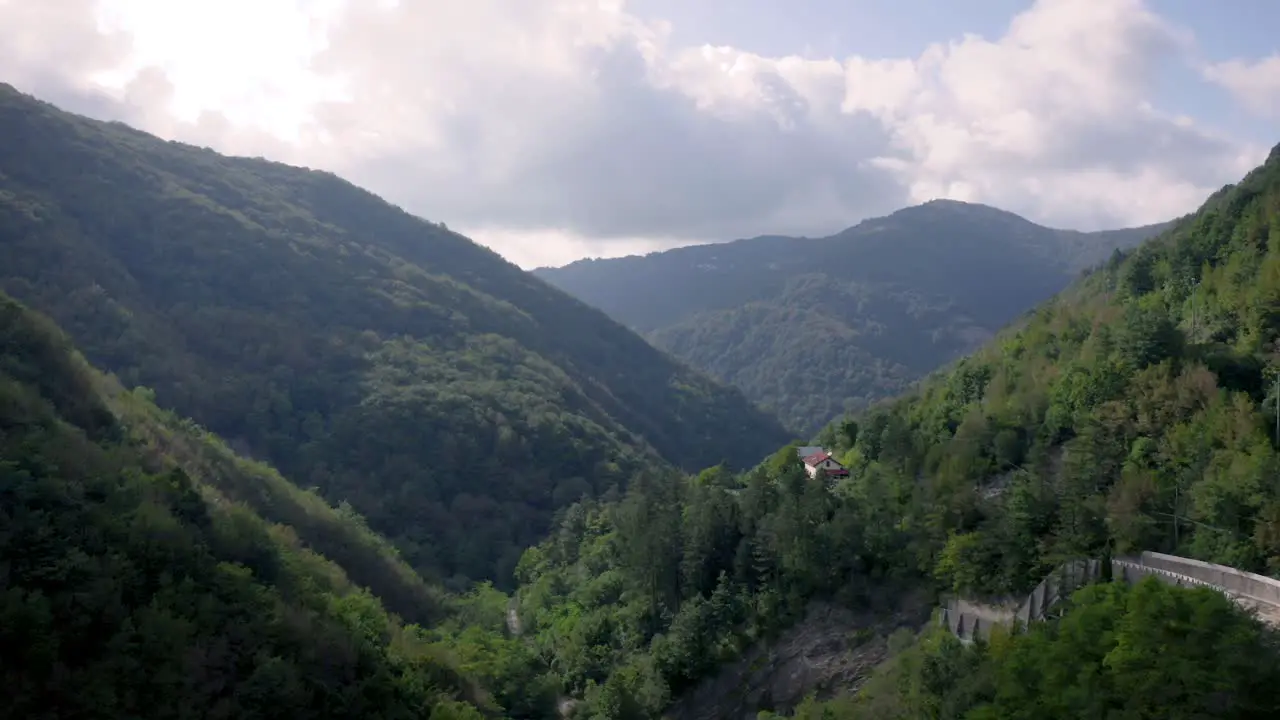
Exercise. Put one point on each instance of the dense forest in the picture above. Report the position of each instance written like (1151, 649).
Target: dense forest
(814, 327)
(450, 398)
(632, 601)
(456, 419)
(130, 587)
(1135, 411)
(142, 579)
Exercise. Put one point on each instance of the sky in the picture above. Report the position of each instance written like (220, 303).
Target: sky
(552, 130)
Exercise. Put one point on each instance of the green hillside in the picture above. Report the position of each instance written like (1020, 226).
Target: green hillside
(133, 584)
(1135, 411)
(814, 327)
(436, 396)
(452, 399)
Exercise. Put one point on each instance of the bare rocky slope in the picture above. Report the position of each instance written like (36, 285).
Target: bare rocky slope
(833, 650)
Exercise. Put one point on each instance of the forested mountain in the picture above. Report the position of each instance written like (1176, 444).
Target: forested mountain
(1135, 411)
(147, 570)
(813, 327)
(141, 574)
(452, 399)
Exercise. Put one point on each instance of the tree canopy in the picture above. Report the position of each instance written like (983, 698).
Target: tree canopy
(452, 399)
(456, 419)
(814, 327)
(128, 588)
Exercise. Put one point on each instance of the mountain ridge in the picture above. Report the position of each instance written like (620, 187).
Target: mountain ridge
(862, 313)
(937, 203)
(453, 399)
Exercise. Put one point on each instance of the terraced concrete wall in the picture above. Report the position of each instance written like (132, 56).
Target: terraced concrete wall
(1057, 585)
(968, 619)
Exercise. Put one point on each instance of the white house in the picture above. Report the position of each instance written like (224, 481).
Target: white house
(816, 458)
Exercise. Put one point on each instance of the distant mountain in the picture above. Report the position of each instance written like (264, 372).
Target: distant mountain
(812, 327)
(453, 400)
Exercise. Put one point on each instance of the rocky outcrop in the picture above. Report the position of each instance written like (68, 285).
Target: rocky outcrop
(833, 650)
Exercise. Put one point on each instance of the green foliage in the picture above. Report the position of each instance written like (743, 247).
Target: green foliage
(1128, 414)
(1148, 651)
(634, 601)
(303, 518)
(813, 328)
(478, 637)
(450, 402)
(453, 400)
(1108, 421)
(128, 588)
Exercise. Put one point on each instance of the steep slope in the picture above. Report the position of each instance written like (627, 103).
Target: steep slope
(454, 400)
(813, 327)
(1136, 411)
(130, 588)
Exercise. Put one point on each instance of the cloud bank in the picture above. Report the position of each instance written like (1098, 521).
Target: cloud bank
(561, 128)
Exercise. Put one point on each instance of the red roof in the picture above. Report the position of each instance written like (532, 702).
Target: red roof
(816, 458)
(819, 458)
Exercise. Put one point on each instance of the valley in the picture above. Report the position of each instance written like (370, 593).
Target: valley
(451, 399)
(272, 447)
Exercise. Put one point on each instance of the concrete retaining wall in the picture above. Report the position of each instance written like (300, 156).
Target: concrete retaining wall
(1057, 585)
(968, 620)
(1237, 582)
(1131, 570)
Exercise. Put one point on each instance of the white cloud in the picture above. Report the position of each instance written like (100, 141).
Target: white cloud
(246, 59)
(530, 248)
(1255, 84)
(564, 127)
(1050, 120)
(55, 45)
